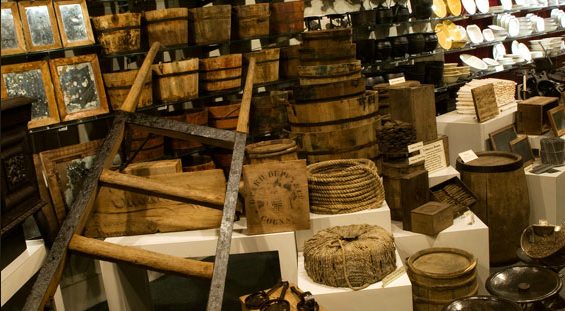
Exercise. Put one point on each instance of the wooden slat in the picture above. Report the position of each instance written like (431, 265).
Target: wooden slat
(243, 121)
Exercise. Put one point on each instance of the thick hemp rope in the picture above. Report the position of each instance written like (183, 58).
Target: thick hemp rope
(354, 256)
(344, 186)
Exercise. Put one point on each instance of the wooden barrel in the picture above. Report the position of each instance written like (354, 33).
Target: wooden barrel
(272, 151)
(193, 163)
(267, 65)
(322, 74)
(118, 33)
(153, 149)
(268, 114)
(498, 180)
(210, 24)
(439, 275)
(176, 81)
(198, 116)
(330, 91)
(250, 21)
(403, 186)
(345, 54)
(320, 40)
(286, 17)
(118, 85)
(289, 61)
(220, 73)
(167, 26)
(224, 116)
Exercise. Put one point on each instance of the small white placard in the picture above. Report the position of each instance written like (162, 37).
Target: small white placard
(468, 156)
(214, 53)
(416, 159)
(415, 147)
(161, 108)
(396, 81)
(435, 156)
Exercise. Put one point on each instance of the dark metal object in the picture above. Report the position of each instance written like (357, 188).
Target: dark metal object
(307, 301)
(278, 304)
(255, 300)
(483, 303)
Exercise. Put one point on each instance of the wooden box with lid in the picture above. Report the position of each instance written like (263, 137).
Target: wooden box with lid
(531, 116)
(431, 218)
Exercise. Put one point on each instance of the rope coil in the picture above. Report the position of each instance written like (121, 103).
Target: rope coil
(344, 186)
(354, 256)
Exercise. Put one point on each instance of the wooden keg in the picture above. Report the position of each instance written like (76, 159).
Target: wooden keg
(118, 85)
(152, 149)
(286, 17)
(344, 54)
(220, 73)
(224, 116)
(177, 80)
(118, 33)
(250, 21)
(198, 116)
(498, 180)
(320, 40)
(439, 275)
(322, 74)
(268, 114)
(272, 151)
(267, 65)
(167, 26)
(330, 91)
(211, 24)
(289, 61)
(193, 163)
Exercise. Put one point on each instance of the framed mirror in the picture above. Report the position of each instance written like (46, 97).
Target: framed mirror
(74, 23)
(500, 139)
(40, 25)
(32, 79)
(12, 39)
(557, 120)
(521, 146)
(78, 87)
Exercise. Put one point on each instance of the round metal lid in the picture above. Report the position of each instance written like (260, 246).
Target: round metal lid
(524, 284)
(482, 303)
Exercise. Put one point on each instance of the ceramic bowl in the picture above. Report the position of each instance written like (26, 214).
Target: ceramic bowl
(470, 6)
(475, 63)
(454, 7)
(439, 8)
(488, 35)
(458, 44)
(475, 34)
(491, 62)
(448, 79)
(482, 5)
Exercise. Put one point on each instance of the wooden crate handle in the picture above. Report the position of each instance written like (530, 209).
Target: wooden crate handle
(243, 121)
(130, 103)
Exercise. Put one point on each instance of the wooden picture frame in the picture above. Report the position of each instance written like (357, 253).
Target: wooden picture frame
(521, 146)
(500, 139)
(78, 86)
(74, 22)
(56, 165)
(32, 79)
(484, 101)
(37, 19)
(557, 119)
(12, 38)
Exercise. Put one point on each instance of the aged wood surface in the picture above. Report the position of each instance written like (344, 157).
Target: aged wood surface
(118, 85)
(431, 218)
(415, 105)
(154, 168)
(176, 81)
(531, 117)
(485, 102)
(330, 91)
(167, 26)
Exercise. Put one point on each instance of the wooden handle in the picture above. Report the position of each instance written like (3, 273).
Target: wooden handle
(141, 258)
(243, 121)
(151, 187)
(130, 103)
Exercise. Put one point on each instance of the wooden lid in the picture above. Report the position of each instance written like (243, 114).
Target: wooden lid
(431, 208)
(491, 162)
(538, 100)
(442, 262)
(323, 34)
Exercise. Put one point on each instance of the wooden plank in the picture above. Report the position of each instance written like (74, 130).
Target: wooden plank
(415, 105)
(130, 103)
(154, 168)
(485, 102)
(243, 120)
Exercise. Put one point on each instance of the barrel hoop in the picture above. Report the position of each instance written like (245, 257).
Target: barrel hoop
(335, 122)
(302, 102)
(272, 154)
(324, 152)
(444, 302)
(171, 19)
(225, 118)
(174, 74)
(267, 61)
(138, 27)
(126, 87)
(460, 166)
(472, 279)
(220, 80)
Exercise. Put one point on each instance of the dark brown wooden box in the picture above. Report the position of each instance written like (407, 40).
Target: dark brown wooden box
(431, 218)
(531, 116)
(415, 105)
(455, 193)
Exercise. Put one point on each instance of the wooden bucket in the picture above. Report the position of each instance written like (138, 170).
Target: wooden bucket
(321, 40)
(220, 73)
(210, 24)
(193, 163)
(224, 116)
(440, 275)
(322, 74)
(198, 116)
(118, 33)
(267, 66)
(167, 26)
(153, 149)
(268, 114)
(403, 189)
(118, 85)
(272, 151)
(287, 17)
(176, 81)
(289, 61)
(250, 21)
(346, 54)
(330, 91)
(498, 180)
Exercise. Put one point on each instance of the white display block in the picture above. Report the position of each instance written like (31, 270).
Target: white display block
(127, 287)
(547, 195)
(442, 175)
(465, 132)
(376, 216)
(472, 238)
(396, 296)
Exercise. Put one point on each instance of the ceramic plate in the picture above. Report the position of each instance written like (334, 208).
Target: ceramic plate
(513, 27)
(491, 62)
(506, 4)
(454, 7)
(515, 47)
(524, 52)
(474, 62)
(488, 35)
(497, 29)
(498, 51)
(475, 34)
(482, 6)
(439, 8)
(470, 6)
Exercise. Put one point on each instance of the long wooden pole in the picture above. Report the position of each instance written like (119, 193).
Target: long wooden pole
(130, 103)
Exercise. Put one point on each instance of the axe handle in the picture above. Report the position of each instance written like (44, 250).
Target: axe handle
(140, 257)
(130, 103)
(243, 121)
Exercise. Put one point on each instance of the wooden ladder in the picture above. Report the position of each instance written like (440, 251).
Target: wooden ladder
(70, 238)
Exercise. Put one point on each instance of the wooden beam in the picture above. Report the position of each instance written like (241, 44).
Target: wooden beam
(243, 121)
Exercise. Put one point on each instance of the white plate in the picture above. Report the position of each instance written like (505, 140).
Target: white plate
(475, 34)
(491, 62)
(497, 29)
(498, 51)
(474, 62)
(536, 54)
(488, 35)
(513, 27)
(506, 4)
(515, 47)
(469, 6)
(482, 5)
(524, 52)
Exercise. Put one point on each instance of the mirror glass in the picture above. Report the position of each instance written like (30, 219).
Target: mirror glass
(73, 22)
(29, 84)
(559, 118)
(39, 25)
(79, 87)
(9, 39)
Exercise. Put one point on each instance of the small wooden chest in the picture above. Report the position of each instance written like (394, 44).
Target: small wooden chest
(531, 116)
(431, 218)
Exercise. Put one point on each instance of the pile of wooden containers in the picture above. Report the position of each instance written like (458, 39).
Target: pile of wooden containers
(333, 117)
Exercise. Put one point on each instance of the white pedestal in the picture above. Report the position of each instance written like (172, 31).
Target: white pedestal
(547, 195)
(471, 238)
(127, 287)
(397, 296)
(465, 132)
(377, 216)
(442, 175)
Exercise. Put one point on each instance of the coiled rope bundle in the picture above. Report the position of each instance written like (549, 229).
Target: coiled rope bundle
(344, 186)
(354, 256)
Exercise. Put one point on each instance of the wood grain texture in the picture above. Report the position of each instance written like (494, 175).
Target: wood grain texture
(485, 102)
(176, 81)
(531, 116)
(243, 121)
(132, 99)
(415, 105)
(154, 168)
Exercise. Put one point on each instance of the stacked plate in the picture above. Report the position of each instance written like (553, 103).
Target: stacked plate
(452, 73)
(547, 45)
(483, 6)
(526, 27)
(550, 24)
(492, 64)
(499, 33)
(488, 35)
(498, 51)
(451, 36)
(559, 17)
(475, 63)
(510, 23)
(538, 23)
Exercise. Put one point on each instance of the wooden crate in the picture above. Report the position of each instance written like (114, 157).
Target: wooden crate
(415, 105)
(531, 116)
(431, 218)
(455, 193)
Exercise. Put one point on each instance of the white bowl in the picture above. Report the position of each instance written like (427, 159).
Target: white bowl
(513, 27)
(497, 29)
(491, 62)
(506, 4)
(469, 6)
(475, 63)
(482, 5)
(515, 47)
(498, 51)
(524, 52)
(488, 35)
(475, 34)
